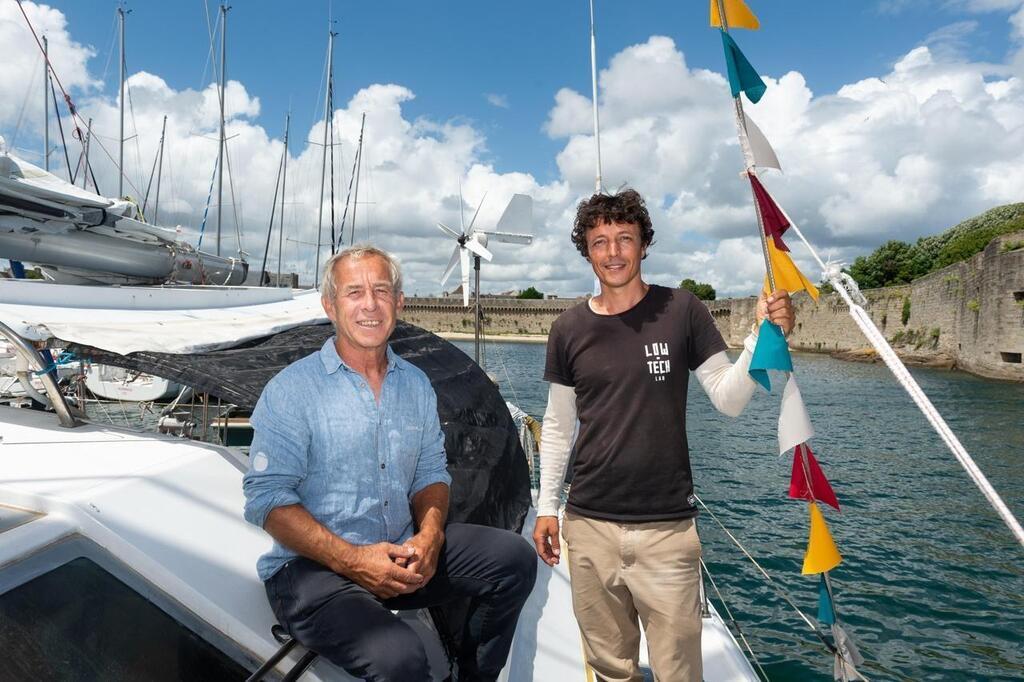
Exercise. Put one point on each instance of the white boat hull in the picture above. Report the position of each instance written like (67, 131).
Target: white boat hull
(115, 383)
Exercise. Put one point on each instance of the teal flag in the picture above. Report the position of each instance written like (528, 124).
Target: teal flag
(826, 614)
(742, 76)
(771, 352)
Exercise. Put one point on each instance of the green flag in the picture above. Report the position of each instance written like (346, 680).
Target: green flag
(742, 76)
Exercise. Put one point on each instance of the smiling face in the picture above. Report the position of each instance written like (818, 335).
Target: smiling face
(365, 306)
(615, 252)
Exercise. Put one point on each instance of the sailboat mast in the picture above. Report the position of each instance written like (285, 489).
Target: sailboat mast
(284, 184)
(88, 168)
(593, 84)
(120, 136)
(359, 170)
(220, 143)
(159, 170)
(46, 104)
(323, 163)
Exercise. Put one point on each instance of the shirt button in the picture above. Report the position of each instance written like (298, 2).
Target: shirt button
(382, 465)
(385, 503)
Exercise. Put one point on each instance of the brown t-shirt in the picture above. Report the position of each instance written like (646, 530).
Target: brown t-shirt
(631, 461)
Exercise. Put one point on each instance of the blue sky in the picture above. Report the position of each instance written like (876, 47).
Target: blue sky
(892, 118)
(453, 54)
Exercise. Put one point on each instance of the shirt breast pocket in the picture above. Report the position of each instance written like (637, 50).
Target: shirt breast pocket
(406, 440)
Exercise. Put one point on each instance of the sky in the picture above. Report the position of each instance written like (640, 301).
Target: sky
(893, 119)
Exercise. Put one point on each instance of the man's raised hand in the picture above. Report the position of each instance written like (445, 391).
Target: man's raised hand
(778, 308)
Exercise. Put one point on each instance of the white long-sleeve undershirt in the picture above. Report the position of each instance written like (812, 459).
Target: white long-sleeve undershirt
(728, 385)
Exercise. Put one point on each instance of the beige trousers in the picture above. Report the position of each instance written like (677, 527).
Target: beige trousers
(622, 572)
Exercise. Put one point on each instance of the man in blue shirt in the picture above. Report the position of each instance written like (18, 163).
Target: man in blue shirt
(348, 474)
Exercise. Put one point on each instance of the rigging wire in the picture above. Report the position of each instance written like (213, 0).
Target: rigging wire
(110, 52)
(67, 98)
(135, 128)
(235, 213)
(24, 103)
(735, 623)
(60, 127)
(779, 590)
(211, 55)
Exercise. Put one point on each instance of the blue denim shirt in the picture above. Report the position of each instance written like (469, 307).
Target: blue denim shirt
(323, 441)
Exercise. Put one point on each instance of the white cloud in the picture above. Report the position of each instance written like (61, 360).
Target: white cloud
(892, 155)
(496, 100)
(21, 69)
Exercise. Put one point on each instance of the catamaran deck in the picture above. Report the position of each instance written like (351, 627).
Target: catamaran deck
(165, 516)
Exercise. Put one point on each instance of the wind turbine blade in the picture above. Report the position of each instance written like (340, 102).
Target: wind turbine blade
(518, 215)
(479, 249)
(508, 237)
(448, 231)
(451, 264)
(462, 212)
(465, 276)
(476, 213)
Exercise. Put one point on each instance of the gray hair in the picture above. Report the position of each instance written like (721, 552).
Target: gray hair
(328, 285)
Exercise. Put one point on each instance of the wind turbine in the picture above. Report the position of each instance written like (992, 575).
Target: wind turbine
(518, 215)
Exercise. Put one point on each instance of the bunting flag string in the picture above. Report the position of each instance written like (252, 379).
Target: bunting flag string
(775, 221)
(737, 15)
(794, 422)
(826, 610)
(787, 275)
(807, 480)
(757, 150)
(770, 352)
(822, 554)
(742, 76)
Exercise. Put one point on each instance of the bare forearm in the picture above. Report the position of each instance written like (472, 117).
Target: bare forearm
(295, 528)
(430, 508)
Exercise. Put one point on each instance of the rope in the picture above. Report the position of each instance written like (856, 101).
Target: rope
(847, 288)
(781, 591)
(64, 358)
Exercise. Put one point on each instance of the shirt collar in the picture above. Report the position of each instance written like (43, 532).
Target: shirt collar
(332, 361)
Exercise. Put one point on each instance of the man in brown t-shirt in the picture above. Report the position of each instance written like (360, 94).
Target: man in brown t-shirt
(620, 363)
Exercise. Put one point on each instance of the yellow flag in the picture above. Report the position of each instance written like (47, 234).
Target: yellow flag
(822, 554)
(787, 275)
(737, 14)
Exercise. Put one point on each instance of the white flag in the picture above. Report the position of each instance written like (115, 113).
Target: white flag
(756, 149)
(794, 422)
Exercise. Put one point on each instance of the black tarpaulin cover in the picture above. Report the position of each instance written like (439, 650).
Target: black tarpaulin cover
(490, 479)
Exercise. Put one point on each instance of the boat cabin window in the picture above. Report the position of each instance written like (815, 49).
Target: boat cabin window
(79, 621)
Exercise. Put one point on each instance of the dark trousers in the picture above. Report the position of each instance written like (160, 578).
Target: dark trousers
(355, 630)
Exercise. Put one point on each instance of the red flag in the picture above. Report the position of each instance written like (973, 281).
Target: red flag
(819, 489)
(775, 223)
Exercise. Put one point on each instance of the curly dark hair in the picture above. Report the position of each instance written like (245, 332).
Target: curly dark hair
(625, 206)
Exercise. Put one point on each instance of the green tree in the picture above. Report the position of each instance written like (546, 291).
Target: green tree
(891, 263)
(701, 290)
(530, 292)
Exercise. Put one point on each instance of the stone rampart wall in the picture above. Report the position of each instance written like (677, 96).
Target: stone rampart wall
(969, 315)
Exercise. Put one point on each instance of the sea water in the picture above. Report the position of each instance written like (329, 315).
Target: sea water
(932, 583)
